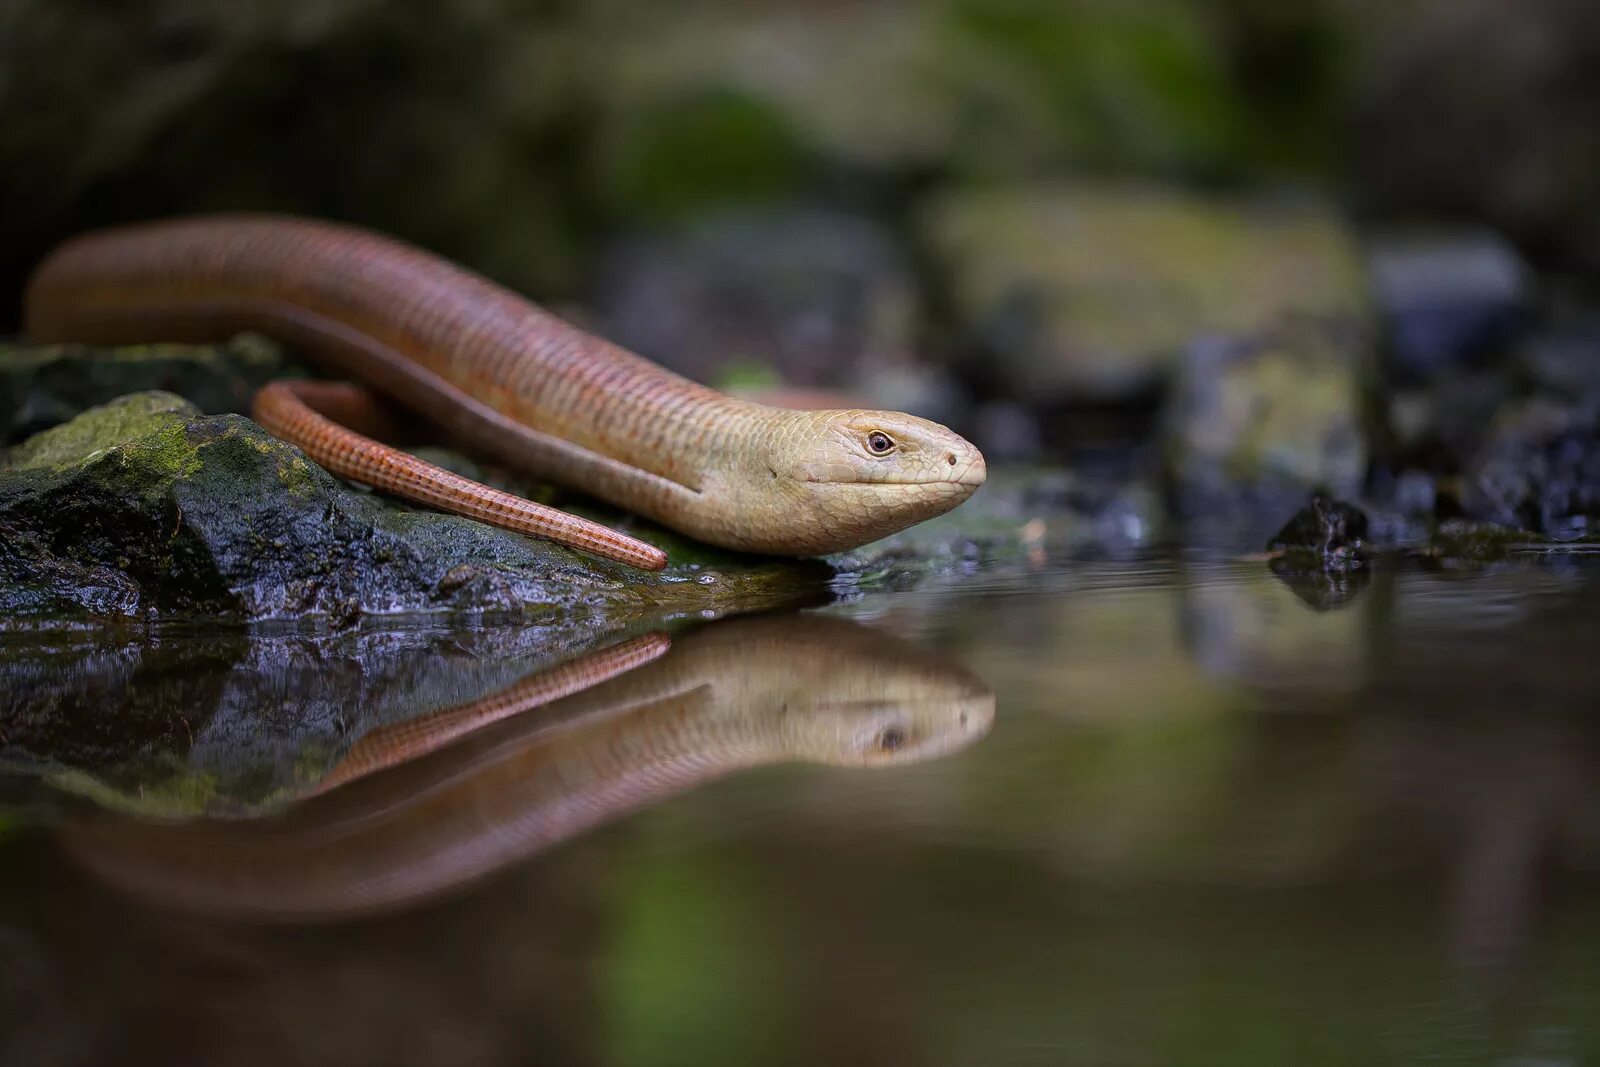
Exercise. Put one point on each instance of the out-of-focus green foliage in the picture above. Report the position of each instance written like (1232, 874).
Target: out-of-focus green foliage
(719, 148)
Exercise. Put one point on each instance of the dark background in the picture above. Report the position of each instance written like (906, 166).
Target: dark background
(1027, 219)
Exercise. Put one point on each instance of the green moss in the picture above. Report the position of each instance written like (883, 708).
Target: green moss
(713, 148)
(1480, 542)
(1280, 413)
(183, 795)
(145, 426)
(45, 386)
(1123, 85)
(1081, 290)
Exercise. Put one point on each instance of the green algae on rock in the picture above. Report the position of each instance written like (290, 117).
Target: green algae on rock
(146, 508)
(44, 386)
(1081, 292)
(1268, 419)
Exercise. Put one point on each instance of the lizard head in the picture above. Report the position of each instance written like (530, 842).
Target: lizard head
(826, 481)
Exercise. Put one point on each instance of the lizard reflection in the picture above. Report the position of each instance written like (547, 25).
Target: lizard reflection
(407, 816)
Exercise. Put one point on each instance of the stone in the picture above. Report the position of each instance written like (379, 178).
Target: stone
(44, 386)
(1089, 293)
(1332, 530)
(1538, 469)
(1021, 513)
(1267, 421)
(1447, 298)
(1459, 541)
(145, 508)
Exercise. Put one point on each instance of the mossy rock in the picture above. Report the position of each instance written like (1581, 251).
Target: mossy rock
(1066, 293)
(46, 385)
(1267, 420)
(146, 508)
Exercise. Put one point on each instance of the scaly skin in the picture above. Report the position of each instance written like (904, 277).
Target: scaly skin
(733, 695)
(508, 378)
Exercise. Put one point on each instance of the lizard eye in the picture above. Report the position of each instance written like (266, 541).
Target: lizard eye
(879, 443)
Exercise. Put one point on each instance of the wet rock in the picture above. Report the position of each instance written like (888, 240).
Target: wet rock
(1266, 421)
(1447, 298)
(41, 387)
(146, 508)
(1465, 541)
(820, 299)
(1090, 293)
(1334, 531)
(1020, 514)
(1539, 469)
(1320, 553)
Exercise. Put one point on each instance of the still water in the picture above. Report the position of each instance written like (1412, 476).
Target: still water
(1076, 813)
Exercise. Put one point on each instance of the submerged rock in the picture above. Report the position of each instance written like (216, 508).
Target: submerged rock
(147, 508)
(1090, 293)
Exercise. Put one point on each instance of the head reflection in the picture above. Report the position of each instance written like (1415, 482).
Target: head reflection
(416, 809)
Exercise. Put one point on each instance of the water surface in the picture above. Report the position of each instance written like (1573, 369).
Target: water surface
(1104, 813)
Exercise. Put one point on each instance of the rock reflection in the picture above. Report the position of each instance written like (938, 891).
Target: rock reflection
(1322, 588)
(418, 809)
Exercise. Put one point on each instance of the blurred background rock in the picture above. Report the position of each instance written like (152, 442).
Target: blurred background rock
(1256, 247)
